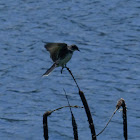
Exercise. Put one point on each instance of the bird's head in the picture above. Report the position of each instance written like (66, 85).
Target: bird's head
(74, 48)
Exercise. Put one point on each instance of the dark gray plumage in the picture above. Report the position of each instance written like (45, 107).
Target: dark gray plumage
(60, 53)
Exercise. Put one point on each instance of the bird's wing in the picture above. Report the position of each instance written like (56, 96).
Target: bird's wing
(55, 49)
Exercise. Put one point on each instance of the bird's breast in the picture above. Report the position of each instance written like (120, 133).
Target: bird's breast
(63, 61)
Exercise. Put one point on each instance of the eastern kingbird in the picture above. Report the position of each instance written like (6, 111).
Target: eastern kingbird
(60, 53)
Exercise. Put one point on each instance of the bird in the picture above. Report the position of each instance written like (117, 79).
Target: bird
(60, 53)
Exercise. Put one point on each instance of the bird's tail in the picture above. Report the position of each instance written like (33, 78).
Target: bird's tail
(50, 70)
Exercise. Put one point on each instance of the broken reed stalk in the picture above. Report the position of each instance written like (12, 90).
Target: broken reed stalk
(45, 125)
(88, 113)
(125, 121)
(74, 124)
(107, 123)
(120, 103)
(73, 77)
(45, 119)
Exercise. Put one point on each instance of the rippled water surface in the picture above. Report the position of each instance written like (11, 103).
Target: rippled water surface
(106, 69)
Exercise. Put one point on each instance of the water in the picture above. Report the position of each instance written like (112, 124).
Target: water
(106, 69)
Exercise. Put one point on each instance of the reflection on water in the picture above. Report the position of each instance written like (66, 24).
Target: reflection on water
(107, 69)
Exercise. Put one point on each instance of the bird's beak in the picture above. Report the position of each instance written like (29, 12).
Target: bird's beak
(78, 50)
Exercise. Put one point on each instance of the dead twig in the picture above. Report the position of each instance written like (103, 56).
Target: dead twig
(45, 119)
(74, 124)
(87, 110)
(120, 103)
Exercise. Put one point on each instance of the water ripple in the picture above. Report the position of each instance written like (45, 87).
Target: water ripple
(106, 69)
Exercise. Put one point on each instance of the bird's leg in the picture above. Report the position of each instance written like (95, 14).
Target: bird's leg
(62, 70)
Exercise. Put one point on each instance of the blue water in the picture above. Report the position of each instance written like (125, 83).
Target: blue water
(106, 69)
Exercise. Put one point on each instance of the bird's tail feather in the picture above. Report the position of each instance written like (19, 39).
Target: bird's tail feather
(50, 70)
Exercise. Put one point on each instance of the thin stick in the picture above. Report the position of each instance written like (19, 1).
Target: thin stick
(68, 100)
(45, 126)
(107, 123)
(88, 113)
(73, 77)
(45, 119)
(66, 106)
(125, 122)
(74, 124)
(120, 103)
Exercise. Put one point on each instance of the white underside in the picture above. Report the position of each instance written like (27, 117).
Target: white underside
(62, 62)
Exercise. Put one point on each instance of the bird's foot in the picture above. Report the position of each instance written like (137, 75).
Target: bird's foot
(62, 70)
